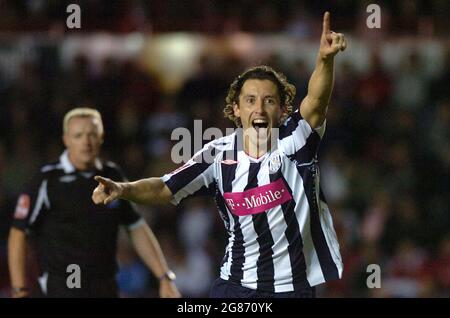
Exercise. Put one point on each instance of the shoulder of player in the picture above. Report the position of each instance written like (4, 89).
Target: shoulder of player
(217, 147)
(222, 143)
(110, 165)
(51, 169)
(293, 118)
(292, 123)
(48, 172)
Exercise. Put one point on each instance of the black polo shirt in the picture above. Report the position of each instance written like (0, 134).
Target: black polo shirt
(57, 212)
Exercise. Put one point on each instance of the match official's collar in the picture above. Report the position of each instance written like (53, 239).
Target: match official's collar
(69, 167)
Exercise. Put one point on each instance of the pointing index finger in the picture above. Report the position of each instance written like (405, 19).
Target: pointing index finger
(100, 180)
(326, 23)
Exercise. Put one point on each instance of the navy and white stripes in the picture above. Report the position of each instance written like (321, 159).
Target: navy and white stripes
(281, 235)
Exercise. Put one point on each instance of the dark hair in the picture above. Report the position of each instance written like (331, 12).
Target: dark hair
(285, 89)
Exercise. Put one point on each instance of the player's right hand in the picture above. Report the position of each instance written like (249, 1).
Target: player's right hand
(331, 43)
(106, 191)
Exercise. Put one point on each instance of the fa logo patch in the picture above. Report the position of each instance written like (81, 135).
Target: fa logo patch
(22, 207)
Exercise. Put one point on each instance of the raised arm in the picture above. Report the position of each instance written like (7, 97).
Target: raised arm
(144, 191)
(314, 106)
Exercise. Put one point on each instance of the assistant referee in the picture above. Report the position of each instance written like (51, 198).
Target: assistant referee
(71, 234)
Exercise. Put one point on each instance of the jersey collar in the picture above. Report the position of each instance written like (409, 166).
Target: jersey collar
(68, 166)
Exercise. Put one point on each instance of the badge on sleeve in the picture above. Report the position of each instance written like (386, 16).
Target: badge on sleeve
(22, 207)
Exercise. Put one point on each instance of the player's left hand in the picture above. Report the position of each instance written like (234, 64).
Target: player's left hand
(167, 289)
(330, 42)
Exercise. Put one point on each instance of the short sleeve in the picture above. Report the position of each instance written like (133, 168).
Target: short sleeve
(298, 139)
(128, 212)
(195, 178)
(32, 203)
(129, 216)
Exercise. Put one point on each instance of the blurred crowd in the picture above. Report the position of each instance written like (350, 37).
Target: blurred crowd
(410, 17)
(384, 159)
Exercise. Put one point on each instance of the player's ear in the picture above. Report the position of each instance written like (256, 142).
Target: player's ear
(237, 111)
(284, 110)
(283, 114)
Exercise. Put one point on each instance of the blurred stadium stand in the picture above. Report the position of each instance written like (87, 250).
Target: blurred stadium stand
(152, 66)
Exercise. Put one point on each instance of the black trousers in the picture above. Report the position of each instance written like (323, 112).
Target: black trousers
(55, 286)
(224, 289)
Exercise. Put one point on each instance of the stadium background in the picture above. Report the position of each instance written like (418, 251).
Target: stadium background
(152, 66)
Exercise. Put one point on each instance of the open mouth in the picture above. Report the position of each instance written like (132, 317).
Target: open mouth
(260, 124)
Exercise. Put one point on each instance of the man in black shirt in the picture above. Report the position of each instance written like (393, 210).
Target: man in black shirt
(75, 239)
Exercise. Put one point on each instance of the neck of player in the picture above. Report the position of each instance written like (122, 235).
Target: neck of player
(256, 147)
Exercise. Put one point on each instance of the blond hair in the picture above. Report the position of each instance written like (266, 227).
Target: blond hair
(285, 89)
(82, 112)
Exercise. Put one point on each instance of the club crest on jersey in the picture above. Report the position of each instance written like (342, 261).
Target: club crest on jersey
(274, 163)
(22, 207)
